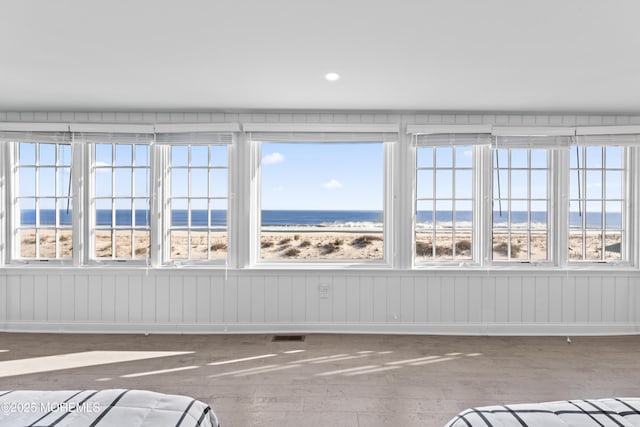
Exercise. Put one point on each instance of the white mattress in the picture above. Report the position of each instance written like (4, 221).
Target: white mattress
(103, 408)
(622, 412)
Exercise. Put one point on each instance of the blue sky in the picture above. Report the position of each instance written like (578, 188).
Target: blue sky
(322, 176)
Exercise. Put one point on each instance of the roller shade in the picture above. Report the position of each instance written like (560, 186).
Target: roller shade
(215, 138)
(280, 132)
(442, 135)
(29, 136)
(608, 135)
(532, 137)
(111, 138)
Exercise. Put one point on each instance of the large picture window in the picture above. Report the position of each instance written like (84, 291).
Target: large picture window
(198, 202)
(444, 214)
(121, 195)
(597, 203)
(322, 201)
(43, 196)
(520, 228)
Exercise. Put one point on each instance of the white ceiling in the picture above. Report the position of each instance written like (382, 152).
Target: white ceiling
(458, 55)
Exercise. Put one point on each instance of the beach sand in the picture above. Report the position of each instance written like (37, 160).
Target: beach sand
(311, 245)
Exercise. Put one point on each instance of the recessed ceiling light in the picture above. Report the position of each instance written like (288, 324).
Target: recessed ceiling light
(332, 77)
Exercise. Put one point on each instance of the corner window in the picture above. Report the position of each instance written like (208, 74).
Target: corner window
(444, 200)
(198, 202)
(520, 226)
(120, 201)
(322, 201)
(597, 203)
(43, 195)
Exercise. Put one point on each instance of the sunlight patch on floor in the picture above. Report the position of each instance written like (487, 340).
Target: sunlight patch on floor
(59, 362)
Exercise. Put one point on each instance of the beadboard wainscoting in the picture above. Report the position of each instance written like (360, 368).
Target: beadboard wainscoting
(421, 302)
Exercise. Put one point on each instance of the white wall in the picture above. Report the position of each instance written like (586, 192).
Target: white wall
(482, 301)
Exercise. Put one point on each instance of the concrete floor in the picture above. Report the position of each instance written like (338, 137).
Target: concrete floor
(330, 380)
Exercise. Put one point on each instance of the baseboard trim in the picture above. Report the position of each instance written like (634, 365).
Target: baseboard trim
(478, 329)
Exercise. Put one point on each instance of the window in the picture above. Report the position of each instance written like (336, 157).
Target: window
(43, 196)
(322, 201)
(444, 214)
(597, 203)
(198, 202)
(520, 228)
(121, 196)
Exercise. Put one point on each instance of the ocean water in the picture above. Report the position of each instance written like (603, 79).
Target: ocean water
(318, 218)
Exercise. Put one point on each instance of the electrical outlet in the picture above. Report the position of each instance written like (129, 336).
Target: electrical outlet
(323, 290)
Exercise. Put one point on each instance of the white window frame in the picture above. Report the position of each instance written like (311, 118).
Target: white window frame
(85, 138)
(189, 136)
(11, 134)
(258, 133)
(628, 139)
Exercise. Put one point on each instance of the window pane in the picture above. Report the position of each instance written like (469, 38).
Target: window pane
(142, 244)
(179, 182)
(519, 184)
(199, 213)
(614, 185)
(103, 244)
(199, 179)
(142, 155)
(143, 214)
(103, 212)
(318, 192)
(103, 182)
(199, 155)
(179, 244)
(538, 184)
(519, 159)
(123, 244)
(613, 246)
(219, 184)
(28, 242)
(464, 157)
(142, 182)
(464, 184)
(64, 153)
(594, 157)
(123, 213)
(179, 212)
(64, 181)
(27, 178)
(47, 154)
(219, 155)
(199, 244)
(124, 155)
(613, 215)
(104, 154)
(594, 215)
(425, 157)
(614, 157)
(47, 242)
(444, 184)
(27, 153)
(425, 184)
(179, 155)
(539, 159)
(123, 183)
(47, 186)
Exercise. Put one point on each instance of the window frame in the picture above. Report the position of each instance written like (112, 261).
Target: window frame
(12, 196)
(327, 134)
(91, 207)
(476, 153)
(163, 151)
(629, 177)
(551, 202)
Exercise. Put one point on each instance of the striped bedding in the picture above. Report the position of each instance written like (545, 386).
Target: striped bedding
(622, 412)
(102, 408)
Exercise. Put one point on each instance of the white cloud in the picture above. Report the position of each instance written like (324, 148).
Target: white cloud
(273, 158)
(332, 184)
(467, 153)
